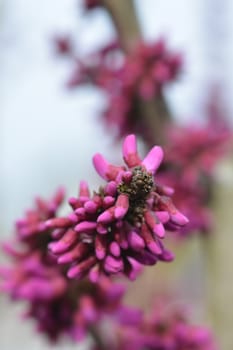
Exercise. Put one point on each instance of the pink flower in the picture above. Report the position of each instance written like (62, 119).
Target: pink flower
(32, 277)
(197, 149)
(31, 229)
(166, 328)
(59, 306)
(122, 225)
(127, 79)
(191, 157)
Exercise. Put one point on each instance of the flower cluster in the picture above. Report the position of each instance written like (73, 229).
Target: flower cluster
(31, 229)
(126, 79)
(190, 159)
(59, 306)
(197, 149)
(142, 76)
(122, 225)
(166, 328)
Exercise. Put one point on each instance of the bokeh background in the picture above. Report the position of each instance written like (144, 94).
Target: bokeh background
(48, 134)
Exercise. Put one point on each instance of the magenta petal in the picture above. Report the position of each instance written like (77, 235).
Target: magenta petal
(135, 241)
(121, 206)
(74, 203)
(154, 247)
(101, 229)
(58, 247)
(83, 189)
(74, 272)
(113, 265)
(111, 188)
(58, 233)
(106, 170)
(163, 216)
(168, 191)
(101, 166)
(76, 253)
(88, 308)
(145, 257)
(35, 289)
(85, 226)
(179, 219)
(58, 222)
(73, 217)
(59, 196)
(129, 151)
(108, 201)
(134, 270)
(154, 224)
(127, 176)
(78, 270)
(100, 246)
(115, 249)
(167, 256)
(151, 243)
(94, 274)
(153, 159)
(80, 212)
(105, 217)
(159, 230)
(90, 207)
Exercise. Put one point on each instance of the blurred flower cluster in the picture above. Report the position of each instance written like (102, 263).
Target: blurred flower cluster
(192, 154)
(126, 79)
(59, 306)
(166, 327)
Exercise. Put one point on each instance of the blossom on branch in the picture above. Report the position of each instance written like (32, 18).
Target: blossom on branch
(197, 149)
(121, 226)
(127, 79)
(191, 157)
(167, 327)
(59, 306)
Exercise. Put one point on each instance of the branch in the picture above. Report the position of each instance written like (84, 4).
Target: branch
(155, 111)
(125, 20)
(95, 334)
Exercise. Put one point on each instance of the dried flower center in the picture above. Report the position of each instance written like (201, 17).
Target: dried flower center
(138, 190)
(140, 185)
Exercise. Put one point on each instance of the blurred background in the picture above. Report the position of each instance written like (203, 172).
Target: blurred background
(48, 134)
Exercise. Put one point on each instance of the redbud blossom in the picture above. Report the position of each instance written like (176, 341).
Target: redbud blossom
(58, 306)
(121, 226)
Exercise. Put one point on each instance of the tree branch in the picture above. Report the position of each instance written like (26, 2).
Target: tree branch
(155, 111)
